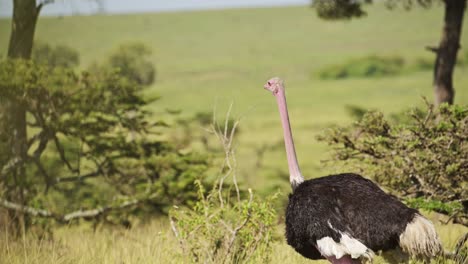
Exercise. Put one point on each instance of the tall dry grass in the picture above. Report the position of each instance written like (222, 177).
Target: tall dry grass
(148, 243)
(151, 243)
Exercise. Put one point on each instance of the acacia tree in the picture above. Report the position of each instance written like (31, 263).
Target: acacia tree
(92, 150)
(80, 145)
(446, 52)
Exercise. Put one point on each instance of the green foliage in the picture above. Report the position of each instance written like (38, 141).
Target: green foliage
(355, 111)
(339, 9)
(423, 64)
(132, 61)
(424, 158)
(221, 229)
(377, 66)
(449, 208)
(347, 9)
(58, 56)
(92, 146)
(225, 226)
(409, 4)
(371, 66)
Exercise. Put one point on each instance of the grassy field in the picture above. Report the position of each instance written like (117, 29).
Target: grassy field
(147, 244)
(206, 60)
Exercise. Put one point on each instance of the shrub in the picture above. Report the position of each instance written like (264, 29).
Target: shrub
(132, 61)
(225, 226)
(427, 64)
(230, 231)
(55, 56)
(423, 64)
(356, 112)
(371, 66)
(424, 161)
(375, 66)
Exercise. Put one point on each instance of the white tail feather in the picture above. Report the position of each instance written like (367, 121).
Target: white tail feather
(420, 238)
(346, 247)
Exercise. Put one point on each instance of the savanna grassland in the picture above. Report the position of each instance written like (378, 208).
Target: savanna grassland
(207, 60)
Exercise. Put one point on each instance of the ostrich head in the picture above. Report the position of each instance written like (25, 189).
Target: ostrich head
(274, 85)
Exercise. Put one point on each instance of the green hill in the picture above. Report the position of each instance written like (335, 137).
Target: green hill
(213, 58)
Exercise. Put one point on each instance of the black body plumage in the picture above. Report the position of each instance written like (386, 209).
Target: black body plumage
(346, 203)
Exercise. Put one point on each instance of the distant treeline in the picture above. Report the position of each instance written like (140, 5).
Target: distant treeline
(379, 66)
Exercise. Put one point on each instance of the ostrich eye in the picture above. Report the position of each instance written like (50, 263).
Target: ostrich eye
(269, 83)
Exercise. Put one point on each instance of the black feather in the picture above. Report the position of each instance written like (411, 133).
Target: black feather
(351, 204)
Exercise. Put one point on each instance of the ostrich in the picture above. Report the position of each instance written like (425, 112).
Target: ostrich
(345, 218)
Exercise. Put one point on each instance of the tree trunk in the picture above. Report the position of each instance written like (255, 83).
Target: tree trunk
(447, 51)
(23, 26)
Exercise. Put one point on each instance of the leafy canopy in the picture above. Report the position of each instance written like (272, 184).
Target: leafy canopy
(348, 9)
(424, 160)
(91, 146)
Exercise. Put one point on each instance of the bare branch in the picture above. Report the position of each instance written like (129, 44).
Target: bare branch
(10, 165)
(457, 255)
(43, 141)
(226, 121)
(460, 243)
(33, 139)
(25, 209)
(78, 178)
(176, 233)
(238, 228)
(433, 49)
(61, 152)
(42, 4)
(226, 137)
(93, 213)
(453, 216)
(44, 173)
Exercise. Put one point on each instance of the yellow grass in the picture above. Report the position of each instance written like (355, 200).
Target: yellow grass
(149, 243)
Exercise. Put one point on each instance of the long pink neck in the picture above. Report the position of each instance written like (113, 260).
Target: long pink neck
(295, 176)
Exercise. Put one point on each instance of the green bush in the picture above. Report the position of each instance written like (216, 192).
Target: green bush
(132, 61)
(225, 225)
(376, 66)
(371, 66)
(423, 64)
(427, 64)
(356, 112)
(230, 231)
(423, 160)
(55, 56)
